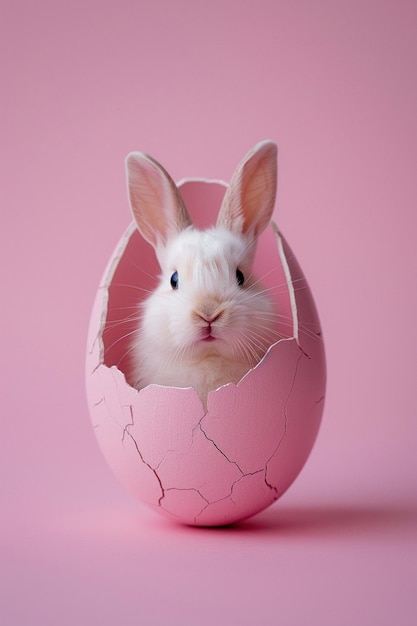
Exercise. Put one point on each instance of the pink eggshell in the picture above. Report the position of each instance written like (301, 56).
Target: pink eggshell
(221, 465)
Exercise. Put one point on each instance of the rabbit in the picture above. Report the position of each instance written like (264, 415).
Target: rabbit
(209, 321)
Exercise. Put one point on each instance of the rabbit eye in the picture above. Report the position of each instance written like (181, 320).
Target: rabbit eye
(239, 277)
(174, 280)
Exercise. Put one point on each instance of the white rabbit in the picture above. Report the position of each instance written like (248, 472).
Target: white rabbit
(209, 320)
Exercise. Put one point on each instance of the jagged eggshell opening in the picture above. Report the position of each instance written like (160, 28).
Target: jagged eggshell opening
(219, 465)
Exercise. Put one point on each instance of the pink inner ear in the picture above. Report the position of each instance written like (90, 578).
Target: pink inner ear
(149, 195)
(250, 198)
(258, 183)
(156, 203)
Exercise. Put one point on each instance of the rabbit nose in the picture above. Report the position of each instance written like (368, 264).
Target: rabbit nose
(212, 318)
(209, 312)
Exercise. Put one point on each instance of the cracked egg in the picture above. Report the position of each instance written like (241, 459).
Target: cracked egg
(219, 464)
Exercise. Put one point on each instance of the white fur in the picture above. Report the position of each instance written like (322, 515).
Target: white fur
(168, 347)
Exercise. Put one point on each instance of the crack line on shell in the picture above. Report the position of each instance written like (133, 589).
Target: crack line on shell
(132, 423)
(126, 431)
(187, 489)
(270, 485)
(109, 414)
(217, 447)
(229, 495)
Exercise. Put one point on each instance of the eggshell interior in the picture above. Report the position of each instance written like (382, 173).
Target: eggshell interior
(222, 464)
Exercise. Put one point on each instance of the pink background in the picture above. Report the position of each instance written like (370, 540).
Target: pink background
(196, 84)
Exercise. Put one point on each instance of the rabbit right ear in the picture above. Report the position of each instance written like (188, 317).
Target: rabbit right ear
(156, 204)
(249, 200)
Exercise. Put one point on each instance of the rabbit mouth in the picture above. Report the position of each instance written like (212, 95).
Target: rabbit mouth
(209, 338)
(206, 335)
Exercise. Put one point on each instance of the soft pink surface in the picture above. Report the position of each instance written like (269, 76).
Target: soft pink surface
(196, 85)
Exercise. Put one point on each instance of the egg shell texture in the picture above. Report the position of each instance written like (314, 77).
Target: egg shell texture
(222, 464)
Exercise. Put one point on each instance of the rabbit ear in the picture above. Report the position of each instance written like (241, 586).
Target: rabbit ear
(156, 204)
(249, 200)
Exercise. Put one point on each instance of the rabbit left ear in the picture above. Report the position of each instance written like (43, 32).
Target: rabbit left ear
(249, 201)
(156, 203)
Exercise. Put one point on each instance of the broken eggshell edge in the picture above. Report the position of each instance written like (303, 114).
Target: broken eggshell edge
(221, 465)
